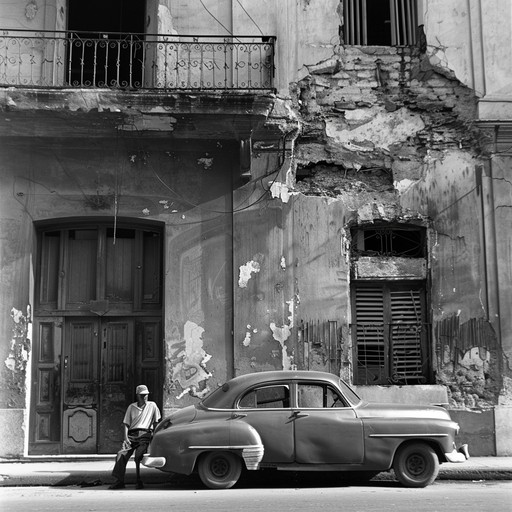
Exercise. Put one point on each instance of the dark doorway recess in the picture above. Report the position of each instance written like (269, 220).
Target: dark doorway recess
(105, 45)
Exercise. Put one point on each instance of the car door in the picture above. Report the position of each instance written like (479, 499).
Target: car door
(326, 428)
(267, 409)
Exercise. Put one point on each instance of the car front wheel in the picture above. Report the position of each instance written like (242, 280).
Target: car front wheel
(416, 465)
(219, 470)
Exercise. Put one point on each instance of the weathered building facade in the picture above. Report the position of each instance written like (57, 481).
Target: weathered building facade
(196, 190)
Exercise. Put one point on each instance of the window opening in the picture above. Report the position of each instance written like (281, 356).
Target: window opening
(380, 22)
(390, 241)
(391, 333)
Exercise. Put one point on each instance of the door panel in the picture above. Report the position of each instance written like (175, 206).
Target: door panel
(275, 427)
(81, 385)
(328, 436)
(267, 409)
(148, 360)
(45, 428)
(327, 431)
(116, 390)
(79, 430)
(82, 247)
(99, 377)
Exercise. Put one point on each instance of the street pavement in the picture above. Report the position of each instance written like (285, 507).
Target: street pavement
(88, 472)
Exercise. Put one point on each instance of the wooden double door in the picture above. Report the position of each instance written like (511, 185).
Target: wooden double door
(97, 333)
(87, 371)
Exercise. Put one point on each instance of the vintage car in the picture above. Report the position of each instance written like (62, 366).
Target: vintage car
(302, 421)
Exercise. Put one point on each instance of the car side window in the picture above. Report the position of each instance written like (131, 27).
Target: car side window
(318, 396)
(266, 397)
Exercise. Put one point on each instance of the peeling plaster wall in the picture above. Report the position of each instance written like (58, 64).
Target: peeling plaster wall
(15, 321)
(188, 191)
(388, 135)
(472, 39)
(199, 282)
(372, 112)
(375, 134)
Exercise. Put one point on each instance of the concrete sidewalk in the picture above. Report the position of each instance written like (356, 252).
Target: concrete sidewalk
(95, 472)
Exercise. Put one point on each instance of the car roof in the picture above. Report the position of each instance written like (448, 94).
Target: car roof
(232, 388)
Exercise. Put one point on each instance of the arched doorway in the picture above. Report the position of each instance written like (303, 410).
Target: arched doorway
(97, 332)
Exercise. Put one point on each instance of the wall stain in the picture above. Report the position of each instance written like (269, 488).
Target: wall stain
(188, 362)
(17, 359)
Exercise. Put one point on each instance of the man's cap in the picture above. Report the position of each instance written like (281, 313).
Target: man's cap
(142, 390)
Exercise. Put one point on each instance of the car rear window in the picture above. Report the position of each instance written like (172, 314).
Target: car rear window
(266, 397)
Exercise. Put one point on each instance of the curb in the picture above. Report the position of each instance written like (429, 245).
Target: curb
(92, 477)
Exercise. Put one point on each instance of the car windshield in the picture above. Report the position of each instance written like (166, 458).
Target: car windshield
(349, 393)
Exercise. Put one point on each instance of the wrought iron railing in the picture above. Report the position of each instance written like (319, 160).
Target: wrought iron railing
(64, 59)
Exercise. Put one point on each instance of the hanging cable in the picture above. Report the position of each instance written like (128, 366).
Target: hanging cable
(250, 17)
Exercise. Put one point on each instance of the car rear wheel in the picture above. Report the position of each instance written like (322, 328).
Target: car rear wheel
(416, 465)
(219, 470)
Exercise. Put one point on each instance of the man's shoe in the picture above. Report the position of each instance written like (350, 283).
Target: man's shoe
(139, 485)
(118, 485)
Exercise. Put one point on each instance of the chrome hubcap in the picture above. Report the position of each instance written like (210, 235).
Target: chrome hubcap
(416, 465)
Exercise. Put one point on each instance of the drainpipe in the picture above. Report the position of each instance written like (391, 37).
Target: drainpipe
(492, 220)
(230, 366)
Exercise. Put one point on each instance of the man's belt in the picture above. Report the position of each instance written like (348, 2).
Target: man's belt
(133, 430)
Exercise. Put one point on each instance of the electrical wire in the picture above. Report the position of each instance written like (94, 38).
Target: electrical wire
(217, 20)
(204, 209)
(250, 17)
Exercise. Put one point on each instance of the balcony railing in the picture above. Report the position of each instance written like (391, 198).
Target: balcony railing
(64, 59)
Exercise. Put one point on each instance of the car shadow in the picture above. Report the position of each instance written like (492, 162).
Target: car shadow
(273, 479)
(264, 479)
(269, 478)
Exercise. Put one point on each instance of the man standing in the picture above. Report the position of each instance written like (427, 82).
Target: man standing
(139, 421)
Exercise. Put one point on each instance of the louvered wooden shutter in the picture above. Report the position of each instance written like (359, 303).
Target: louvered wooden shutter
(390, 334)
(371, 345)
(406, 332)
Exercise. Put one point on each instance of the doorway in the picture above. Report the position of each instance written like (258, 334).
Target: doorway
(105, 47)
(97, 334)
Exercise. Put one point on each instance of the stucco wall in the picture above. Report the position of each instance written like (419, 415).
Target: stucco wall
(379, 134)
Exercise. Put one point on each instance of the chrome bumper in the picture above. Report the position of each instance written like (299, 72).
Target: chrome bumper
(460, 455)
(153, 462)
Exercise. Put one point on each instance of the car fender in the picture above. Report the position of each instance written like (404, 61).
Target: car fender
(383, 437)
(182, 444)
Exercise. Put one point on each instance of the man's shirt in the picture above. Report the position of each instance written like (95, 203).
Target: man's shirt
(137, 417)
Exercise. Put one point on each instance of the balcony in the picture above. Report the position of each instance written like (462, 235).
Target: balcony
(90, 60)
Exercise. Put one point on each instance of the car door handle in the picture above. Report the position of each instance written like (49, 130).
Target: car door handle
(237, 415)
(298, 414)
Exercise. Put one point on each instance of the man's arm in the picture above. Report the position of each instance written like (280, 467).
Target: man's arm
(156, 417)
(125, 426)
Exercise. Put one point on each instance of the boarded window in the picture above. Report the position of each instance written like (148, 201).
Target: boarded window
(391, 333)
(380, 22)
